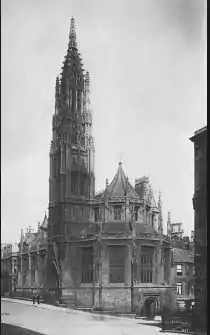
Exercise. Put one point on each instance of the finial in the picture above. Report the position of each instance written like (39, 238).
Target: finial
(72, 35)
(169, 216)
(57, 85)
(159, 201)
(107, 183)
(120, 162)
(38, 226)
(29, 230)
(21, 234)
(150, 190)
(87, 79)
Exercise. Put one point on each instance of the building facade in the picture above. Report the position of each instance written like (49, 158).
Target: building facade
(107, 250)
(200, 226)
(9, 268)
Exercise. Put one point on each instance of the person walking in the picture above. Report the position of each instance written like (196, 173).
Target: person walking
(34, 298)
(38, 298)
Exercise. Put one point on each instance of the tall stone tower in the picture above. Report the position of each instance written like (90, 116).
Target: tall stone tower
(71, 180)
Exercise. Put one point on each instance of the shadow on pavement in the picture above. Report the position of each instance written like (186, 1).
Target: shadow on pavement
(154, 324)
(7, 329)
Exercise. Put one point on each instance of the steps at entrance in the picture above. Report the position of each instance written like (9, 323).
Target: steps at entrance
(69, 301)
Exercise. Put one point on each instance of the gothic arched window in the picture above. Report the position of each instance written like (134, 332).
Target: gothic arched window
(82, 183)
(73, 181)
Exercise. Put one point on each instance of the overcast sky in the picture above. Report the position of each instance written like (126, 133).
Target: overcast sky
(147, 62)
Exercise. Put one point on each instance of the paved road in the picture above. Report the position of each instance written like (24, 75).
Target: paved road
(50, 320)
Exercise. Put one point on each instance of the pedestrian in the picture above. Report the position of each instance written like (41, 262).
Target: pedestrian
(37, 298)
(34, 298)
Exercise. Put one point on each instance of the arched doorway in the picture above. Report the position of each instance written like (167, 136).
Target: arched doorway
(150, 305)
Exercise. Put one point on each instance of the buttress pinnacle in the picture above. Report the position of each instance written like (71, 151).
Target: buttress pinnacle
(72, 35)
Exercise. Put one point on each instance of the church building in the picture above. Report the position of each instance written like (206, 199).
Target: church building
(105, 250)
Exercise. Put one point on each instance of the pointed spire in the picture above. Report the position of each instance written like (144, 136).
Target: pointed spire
(150, 193)
(160, 202)
(21, 235)
(57, 87)
(169, 223)
(107, 183)
(160, 217)
(72, 35)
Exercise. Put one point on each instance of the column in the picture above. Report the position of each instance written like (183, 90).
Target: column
(38, 267)
(29, 269)
(21, 271)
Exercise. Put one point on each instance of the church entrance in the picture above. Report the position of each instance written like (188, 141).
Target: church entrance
(150, 308)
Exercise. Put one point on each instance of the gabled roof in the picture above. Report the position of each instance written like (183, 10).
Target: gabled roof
(182, 256)
(119, 187)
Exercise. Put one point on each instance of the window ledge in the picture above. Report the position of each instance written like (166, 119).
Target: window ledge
(87, 285)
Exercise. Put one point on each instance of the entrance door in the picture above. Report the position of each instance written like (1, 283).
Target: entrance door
(150, 308)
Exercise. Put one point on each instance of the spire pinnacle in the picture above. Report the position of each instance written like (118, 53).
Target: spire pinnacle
(160, 201)
(106, 183)
(72, 35)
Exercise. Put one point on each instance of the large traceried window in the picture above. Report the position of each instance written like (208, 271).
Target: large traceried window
(179, 288)
(117, 263)
(73, 181)
(117, 213)
(147, 264)
(87, 265)
(82, 183)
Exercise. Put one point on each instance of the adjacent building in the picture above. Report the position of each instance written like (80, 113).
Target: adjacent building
(9, 267)
(200, 226)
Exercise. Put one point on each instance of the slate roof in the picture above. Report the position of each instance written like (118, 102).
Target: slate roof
(182, 256)
(119, 187)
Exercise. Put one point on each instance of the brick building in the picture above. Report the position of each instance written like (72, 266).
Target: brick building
(200, 227)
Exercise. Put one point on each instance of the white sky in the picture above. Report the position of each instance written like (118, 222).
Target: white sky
(147, 62)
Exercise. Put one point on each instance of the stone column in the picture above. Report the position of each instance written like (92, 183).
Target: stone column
(21, 271)
(29, 269)
(38, 267)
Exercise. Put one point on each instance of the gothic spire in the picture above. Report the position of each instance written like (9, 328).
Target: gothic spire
(160, 221)
(21, 235)
(72, 35)
(160, 202)
(169, 223)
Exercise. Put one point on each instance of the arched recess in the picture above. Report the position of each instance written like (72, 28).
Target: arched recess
(150, 307)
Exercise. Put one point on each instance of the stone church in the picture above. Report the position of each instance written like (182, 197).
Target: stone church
(103, 250)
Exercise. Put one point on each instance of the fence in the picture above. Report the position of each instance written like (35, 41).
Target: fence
(182, 322)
